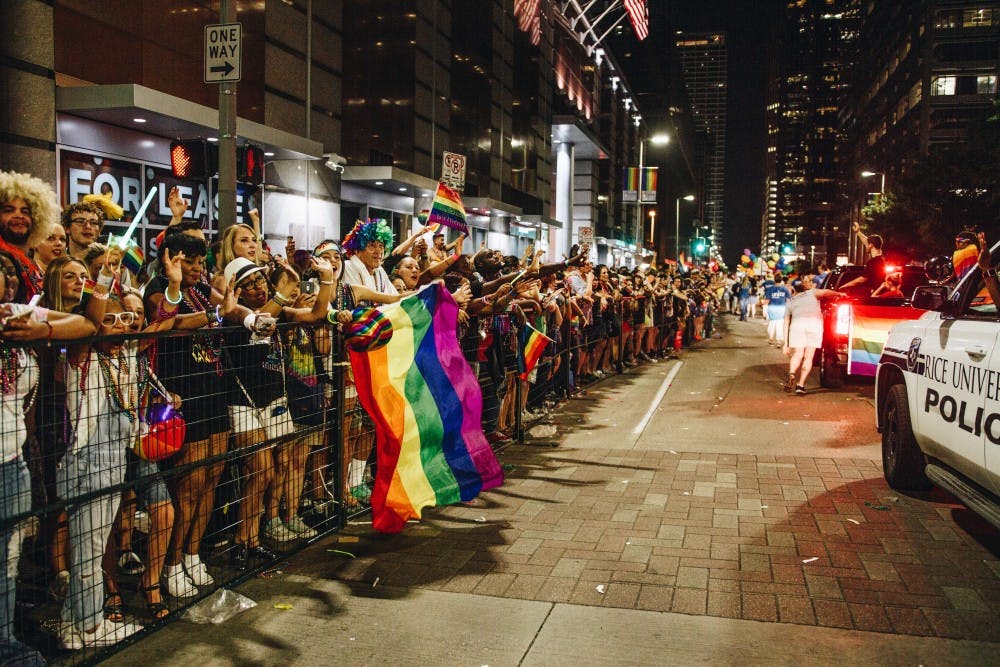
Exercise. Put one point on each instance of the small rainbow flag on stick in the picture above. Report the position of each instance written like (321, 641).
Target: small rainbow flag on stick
(132, 259)
(533, 344)
(88, 288)
(448, 210)
(427, 407)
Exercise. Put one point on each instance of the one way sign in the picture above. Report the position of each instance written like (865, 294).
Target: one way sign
(223, 52)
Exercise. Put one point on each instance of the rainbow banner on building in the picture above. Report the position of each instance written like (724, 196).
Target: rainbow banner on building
(447, 209)
(870, 326)
(427, 407)
(639, 185)
(533, 344)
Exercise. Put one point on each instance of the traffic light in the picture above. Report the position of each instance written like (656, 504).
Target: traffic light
(786, 249)
(250, 165)
(189, 159)
(699, 246)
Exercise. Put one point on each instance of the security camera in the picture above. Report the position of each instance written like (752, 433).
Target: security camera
(335, 161)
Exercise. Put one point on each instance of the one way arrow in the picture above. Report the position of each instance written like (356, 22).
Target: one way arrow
(225, 68)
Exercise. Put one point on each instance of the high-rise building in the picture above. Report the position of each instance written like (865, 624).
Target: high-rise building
(925, 70)
(806, 91)
(704, 61)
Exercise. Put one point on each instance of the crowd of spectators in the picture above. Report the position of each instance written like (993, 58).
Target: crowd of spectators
(240, 338)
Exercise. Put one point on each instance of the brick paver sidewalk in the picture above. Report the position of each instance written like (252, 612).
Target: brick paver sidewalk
(801, 540)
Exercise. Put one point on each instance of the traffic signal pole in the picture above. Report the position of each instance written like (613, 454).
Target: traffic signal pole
(227, 136)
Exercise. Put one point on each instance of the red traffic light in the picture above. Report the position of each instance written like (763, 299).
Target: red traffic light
(250, 165)
(189, 159)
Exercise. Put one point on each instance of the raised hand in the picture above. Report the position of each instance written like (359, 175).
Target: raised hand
(324, 268)
(178, 205)
(172, 266)
(462, 295)
(984, 251)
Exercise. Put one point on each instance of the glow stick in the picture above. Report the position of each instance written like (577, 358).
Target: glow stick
(123, 241)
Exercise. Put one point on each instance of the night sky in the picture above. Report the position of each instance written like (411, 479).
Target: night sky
(749, 26)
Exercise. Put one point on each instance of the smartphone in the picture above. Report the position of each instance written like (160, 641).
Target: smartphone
(308, 287)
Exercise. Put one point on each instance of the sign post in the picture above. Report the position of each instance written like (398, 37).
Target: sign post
(223, 52)
(453, 170)
(223, 58)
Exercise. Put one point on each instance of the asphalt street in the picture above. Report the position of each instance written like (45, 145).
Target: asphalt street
(689, 512)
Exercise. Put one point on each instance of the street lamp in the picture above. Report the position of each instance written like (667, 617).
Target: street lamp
(881, 195)
(869, 174)
(660, 139)
(677, 224)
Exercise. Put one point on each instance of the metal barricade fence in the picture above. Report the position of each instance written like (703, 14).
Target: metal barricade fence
(276, 453)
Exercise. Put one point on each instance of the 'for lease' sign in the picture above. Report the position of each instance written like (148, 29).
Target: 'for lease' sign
(223, 52)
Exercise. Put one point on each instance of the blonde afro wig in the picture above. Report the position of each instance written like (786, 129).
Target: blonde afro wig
(39, 195)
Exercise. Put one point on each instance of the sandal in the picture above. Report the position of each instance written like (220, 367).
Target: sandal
(158, 610)
(114, 611)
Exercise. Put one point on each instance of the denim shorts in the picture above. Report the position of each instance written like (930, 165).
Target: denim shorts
(152, 490)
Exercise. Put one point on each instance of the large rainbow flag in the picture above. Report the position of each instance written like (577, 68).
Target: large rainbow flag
(869, 330)
(447, 209)
(427, 407)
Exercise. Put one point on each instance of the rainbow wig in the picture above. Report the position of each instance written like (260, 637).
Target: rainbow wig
(364, 232)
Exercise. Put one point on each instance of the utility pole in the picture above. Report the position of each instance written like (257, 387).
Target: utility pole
(227, 136)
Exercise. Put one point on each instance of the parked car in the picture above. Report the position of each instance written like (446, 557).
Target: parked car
(937, 396)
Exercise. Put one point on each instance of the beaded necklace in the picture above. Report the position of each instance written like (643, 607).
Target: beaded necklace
(113, 383)
(198, 303)
(10, 373)
(8, 370)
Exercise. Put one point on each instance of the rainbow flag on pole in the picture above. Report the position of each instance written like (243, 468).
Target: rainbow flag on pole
(427, 407)
(447, 209)
(533, 343)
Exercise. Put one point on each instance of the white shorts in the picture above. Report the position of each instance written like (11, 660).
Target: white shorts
(244, 419)
(805, 333)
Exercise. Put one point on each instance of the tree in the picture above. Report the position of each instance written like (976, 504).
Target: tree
(952, 187)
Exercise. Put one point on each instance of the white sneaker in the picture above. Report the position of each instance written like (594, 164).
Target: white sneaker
(109, 634)
(69, 637)
(179, 585)
(300, 528)
(196, 571)
(277, 530)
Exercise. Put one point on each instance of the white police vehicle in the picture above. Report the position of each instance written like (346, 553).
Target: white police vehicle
(937, 396)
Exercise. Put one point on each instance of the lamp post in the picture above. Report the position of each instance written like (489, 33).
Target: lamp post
(869, 174)
(853, 248)
(677, 224)
(656, 140)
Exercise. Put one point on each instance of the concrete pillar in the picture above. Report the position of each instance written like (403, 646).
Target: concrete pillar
(565, 153)
(27, 84)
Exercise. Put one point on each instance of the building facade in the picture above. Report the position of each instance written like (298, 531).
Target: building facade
(704, 61)
(807, 89)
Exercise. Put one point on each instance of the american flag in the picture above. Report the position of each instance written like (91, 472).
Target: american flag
(525, 11)
(637, 14)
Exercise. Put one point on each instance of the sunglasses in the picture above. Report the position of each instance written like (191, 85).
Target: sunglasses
(257, 281)
(113, 319)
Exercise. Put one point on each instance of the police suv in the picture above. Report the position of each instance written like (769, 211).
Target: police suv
(937, 395)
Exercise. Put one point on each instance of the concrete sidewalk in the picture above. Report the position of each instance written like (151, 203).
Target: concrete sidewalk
(727, 523)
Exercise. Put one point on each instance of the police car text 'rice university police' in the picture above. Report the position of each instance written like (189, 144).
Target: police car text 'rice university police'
(937, 395)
